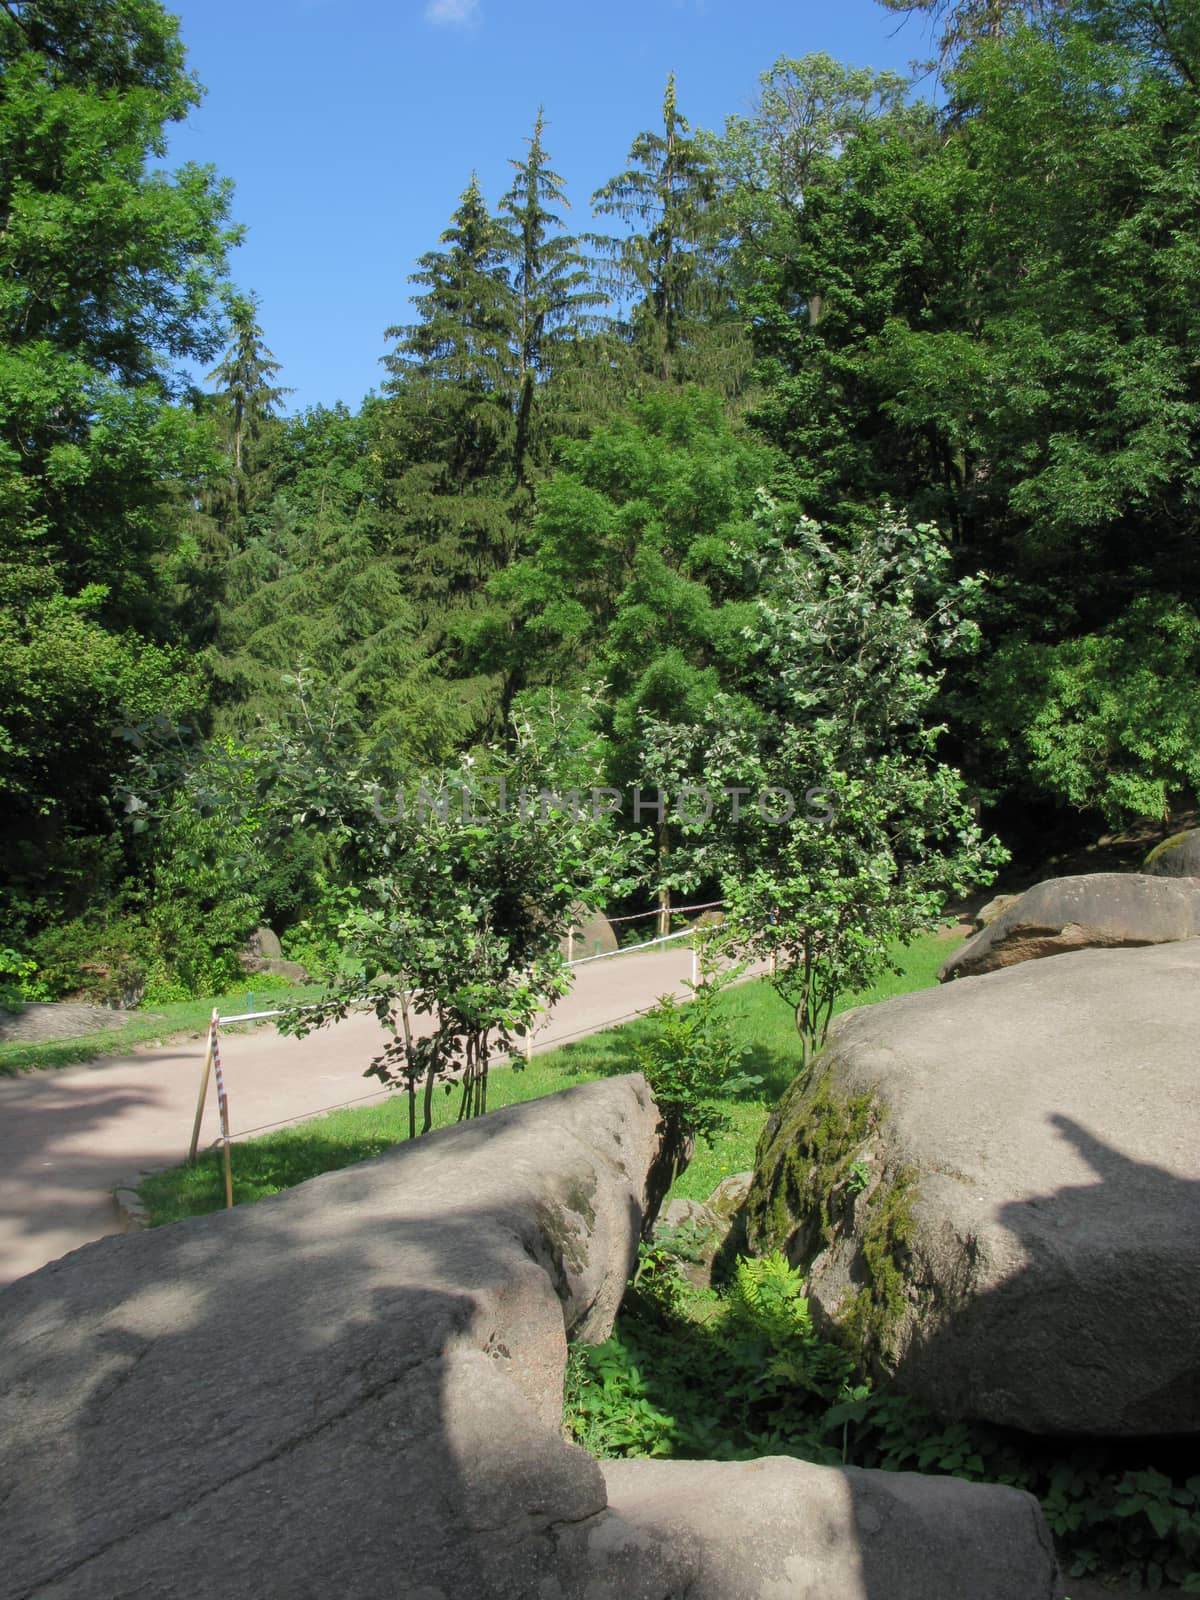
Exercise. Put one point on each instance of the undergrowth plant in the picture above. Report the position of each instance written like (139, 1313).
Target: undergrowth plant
(691, 1060)
(740, 1372)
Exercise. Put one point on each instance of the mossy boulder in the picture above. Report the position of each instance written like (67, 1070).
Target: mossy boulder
(826, 1194)
(993, 1189)
(1176, 857)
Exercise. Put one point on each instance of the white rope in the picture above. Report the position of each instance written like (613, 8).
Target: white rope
(640, 916)
(579, 961)
(629, 949)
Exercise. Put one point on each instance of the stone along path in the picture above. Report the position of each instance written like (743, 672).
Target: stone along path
(68, 1138)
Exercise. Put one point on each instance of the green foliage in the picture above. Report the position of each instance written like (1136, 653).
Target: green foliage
(741, 1373)
(18, 980)
(246, 400)
(197, 814)
(466, 887)
(982, 315)
(641, 578)
(690, 1058)
(858, 1177)
(764, 1305)
(1108, 722)
(108, 271)
(866, 831)
(750, 1351)
(67, 685)
(319, 606)
(201, 907)
(317, 940)
(979, 312)
(109, 277)
(98, 963)
(554, 297)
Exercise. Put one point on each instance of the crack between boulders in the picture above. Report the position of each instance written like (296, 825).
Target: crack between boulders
(1044, 1539)
(286, 1448)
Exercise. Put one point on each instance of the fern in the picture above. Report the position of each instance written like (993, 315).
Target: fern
(765, 1303)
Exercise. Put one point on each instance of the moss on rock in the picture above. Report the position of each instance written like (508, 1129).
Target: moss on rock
(1176, 857)
(870, 1322)
(820, 1183)
(804, 1155)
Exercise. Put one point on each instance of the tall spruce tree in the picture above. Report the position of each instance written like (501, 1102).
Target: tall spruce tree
(555, 298)
(447, 439)
(665, 268)
(247, 399)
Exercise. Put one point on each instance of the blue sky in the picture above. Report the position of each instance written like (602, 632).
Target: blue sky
(350, 128)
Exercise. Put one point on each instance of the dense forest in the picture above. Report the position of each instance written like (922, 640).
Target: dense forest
(625, 489)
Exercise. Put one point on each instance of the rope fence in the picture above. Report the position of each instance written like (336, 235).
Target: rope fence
(674, 911)
(212, 1056)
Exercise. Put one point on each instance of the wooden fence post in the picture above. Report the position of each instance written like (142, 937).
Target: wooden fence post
(208, 1059)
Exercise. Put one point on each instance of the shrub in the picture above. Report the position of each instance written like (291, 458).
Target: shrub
(101, 963)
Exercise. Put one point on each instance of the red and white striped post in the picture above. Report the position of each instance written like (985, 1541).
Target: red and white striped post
(223, 1111)
(212, 1065)
(204, 1073)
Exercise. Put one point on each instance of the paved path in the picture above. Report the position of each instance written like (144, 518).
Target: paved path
(68, 1138)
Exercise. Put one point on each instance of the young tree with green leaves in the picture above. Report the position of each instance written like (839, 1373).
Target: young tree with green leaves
(467, 884)
(852, 831)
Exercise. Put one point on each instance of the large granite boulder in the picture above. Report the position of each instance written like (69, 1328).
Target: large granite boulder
(38, 1020)
(592, 934)
(995, 907)
(781, 1529)
(354, 1389)
(264, 943)
(1176, 857)
(994, 1189)
(1098, 910)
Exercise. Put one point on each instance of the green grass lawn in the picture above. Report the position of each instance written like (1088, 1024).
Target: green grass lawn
(156, 1024)
(761, 1020)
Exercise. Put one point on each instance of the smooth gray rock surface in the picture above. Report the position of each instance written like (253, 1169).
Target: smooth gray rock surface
(40, 1020)
(353, 1391)
(264, 942)
(787, 1530)
(994, 908)
(1098, 910)
(1049, 1116)
(1176, 857)
(333, 1389)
